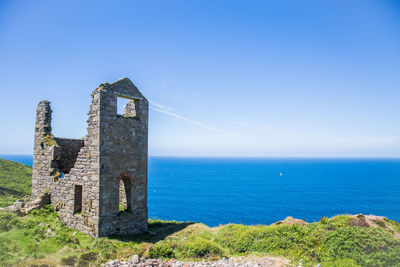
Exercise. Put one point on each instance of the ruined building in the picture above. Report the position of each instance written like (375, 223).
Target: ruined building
(97, 184)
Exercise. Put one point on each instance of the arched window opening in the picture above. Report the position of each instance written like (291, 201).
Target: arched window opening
(125, 194)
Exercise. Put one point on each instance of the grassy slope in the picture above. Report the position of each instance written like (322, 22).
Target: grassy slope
(40, 238)
(15, 181)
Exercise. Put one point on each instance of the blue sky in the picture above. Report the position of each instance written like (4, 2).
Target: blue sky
(224, 78)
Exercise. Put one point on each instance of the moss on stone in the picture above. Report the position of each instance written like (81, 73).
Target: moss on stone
(57, 174)
(49, 140)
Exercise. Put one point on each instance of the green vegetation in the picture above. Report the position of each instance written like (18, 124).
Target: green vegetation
(15, 181)
(394, 224)
(40, 237)
(121, 207)
(49, 140)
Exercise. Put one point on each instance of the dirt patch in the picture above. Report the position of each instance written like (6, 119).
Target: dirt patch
(290, 220)
(372, 221)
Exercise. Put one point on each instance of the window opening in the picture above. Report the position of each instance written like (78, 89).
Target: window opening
(78, 199)
(121, 104)
(124, 194)
(126, 107)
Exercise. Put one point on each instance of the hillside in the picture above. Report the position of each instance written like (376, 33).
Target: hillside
(15, 181)
(40, 238)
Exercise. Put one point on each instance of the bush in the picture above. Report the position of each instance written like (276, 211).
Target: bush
(7, 220)
(340, 221)
(380, 223)
(143, 250)
(105, 247)
(261, 238)
(340, 263)
(86, 258)
(323, 220)
(394, 224)
(64, 238)
(161, 250)
(199, 248)
(361, 217)
(6, 254)
(236, 237)
(71, 260)
(367, 246)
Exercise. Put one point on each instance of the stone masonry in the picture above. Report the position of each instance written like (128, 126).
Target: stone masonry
(97, 184)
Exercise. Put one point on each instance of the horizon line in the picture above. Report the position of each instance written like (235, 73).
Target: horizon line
(253, 156)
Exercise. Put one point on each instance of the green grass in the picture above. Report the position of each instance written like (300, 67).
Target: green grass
(41, 239)
(15, 181)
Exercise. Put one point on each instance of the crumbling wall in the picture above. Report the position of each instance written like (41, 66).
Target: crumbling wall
(68, 153)
(89, 177)
(85, 173)
(77, 159)
(43, 152)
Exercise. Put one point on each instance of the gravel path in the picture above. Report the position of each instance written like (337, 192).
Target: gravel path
(135, 261)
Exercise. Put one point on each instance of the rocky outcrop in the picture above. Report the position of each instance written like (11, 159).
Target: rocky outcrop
(290, 220)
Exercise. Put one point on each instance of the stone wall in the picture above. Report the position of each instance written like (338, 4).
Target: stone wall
(68, 153)
(123, 150)
(114, 150)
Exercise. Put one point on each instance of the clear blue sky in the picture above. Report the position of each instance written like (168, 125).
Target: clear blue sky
(224, 78)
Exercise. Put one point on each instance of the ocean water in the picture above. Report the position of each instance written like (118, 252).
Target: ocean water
(262, 191)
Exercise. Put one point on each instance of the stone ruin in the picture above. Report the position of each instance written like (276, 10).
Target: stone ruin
(97, 184)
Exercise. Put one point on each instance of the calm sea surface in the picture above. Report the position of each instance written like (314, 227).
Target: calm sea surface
(253, 191)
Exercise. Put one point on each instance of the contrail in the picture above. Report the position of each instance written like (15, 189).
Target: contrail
(161, 108)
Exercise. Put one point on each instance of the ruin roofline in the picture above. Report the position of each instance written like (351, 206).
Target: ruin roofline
(124, 88)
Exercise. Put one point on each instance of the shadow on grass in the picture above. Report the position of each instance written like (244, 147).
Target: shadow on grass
(158, 230)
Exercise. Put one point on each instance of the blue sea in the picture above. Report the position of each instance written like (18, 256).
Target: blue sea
(262, 191)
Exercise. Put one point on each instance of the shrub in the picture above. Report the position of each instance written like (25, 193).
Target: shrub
(323, 220)
(6, 254)
(161, 250)
(380, 223)
(7, 220)
(86, 258)
(394, 224)
(261, 238)
(340, 221)
(64, 238)
(199, 248)
(71, 260)
(236, 237)
(105, 247)
(361, 217)
(340, 263)
(367, 246)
